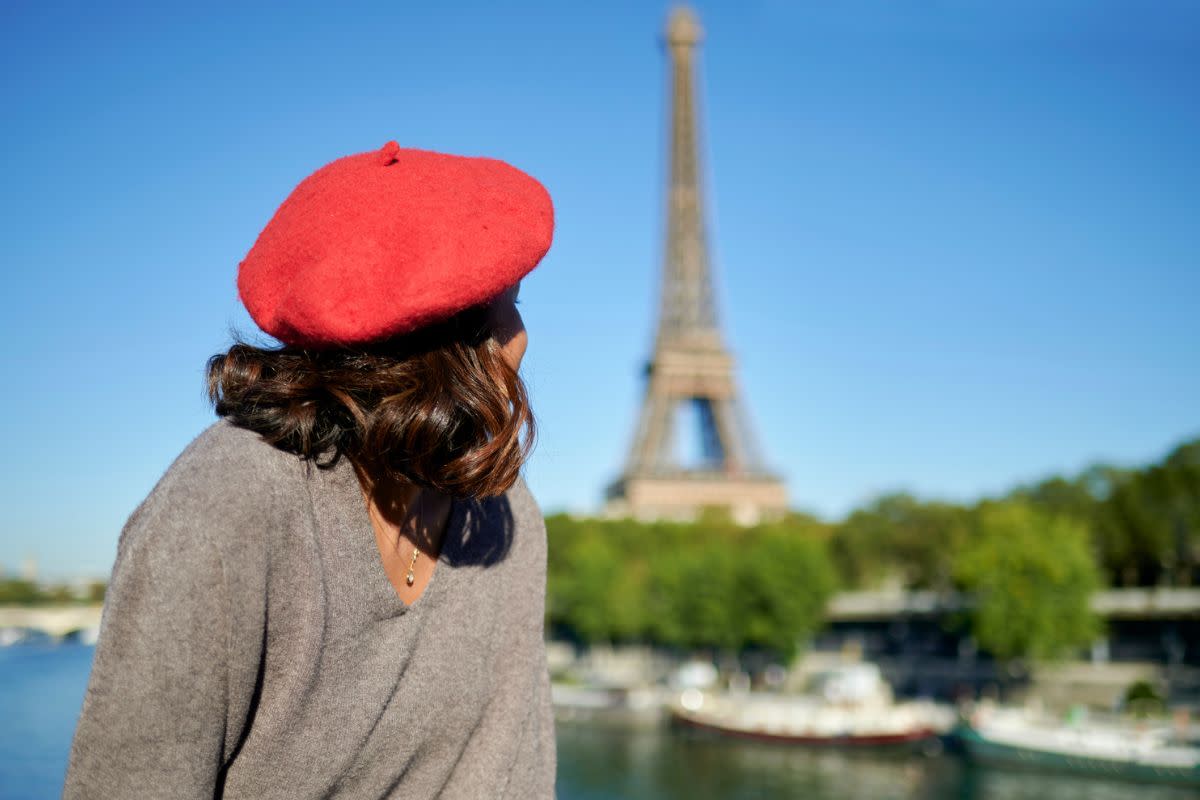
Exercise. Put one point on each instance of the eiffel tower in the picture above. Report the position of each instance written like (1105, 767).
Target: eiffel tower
(691, 369)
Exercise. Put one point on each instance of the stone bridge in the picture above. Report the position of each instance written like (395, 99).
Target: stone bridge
(57, 621)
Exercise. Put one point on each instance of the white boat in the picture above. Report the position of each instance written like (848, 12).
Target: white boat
(1113, 749)
(851, 706)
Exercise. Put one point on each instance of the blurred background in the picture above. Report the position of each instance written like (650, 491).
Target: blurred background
(870, 454)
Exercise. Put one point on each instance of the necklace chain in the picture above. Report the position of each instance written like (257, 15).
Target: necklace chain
(412, 576)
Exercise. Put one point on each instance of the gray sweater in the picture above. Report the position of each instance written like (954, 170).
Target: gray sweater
(252, 646)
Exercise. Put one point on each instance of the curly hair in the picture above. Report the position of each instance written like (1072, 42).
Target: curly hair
(439, 407)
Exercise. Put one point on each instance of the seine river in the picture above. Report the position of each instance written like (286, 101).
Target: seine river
(41, 688)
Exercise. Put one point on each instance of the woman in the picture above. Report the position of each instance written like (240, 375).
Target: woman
(337, 589)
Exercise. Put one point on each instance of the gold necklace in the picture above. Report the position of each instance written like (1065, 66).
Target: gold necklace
(411, 576)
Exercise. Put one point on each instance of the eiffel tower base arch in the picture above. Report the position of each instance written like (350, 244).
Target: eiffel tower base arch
(749, 500)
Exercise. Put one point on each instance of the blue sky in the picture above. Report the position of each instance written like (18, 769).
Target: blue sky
(955, 244)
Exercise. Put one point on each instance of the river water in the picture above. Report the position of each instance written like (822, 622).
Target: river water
(42, 686)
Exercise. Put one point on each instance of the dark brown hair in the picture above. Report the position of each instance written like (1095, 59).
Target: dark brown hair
(439, 407)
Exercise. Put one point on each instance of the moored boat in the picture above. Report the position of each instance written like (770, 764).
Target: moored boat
(1132, 751)
(851, 708)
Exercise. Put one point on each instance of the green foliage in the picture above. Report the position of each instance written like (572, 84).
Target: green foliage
(710, 584)
(901, 537)
(16, 591)
(1143, 700)
(782, 586)
(21, 592)
(1031, 575)
(96, 590)
(1032, 558)
(1143, 525)
(1148, 530)
(695, 589)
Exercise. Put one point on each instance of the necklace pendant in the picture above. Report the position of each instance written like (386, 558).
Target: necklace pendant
(410, 578)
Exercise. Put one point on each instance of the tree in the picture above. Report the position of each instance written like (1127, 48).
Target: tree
(96, 591)
(1149, 529)
(707, 584)
(783, 583)
(694, 592)
(597, 581)
(1059, 495)
(1031, 576)
(898, 535)
(18, 591)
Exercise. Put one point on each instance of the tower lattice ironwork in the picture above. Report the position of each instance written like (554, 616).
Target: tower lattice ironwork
(691, 365)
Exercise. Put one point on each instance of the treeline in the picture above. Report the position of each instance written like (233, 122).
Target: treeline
(22, 592)
(1143, 527)
(708, 584)
(1030, 560)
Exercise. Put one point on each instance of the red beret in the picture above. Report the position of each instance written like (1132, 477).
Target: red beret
(380, 243)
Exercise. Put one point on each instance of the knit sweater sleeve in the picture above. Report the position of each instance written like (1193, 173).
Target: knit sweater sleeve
(536, 765)
(168, 692)
(533, 771)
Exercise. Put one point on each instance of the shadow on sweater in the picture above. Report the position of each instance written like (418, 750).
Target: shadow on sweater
(487, 532)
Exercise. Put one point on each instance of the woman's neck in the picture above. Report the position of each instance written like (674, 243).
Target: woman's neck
(402, 507)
